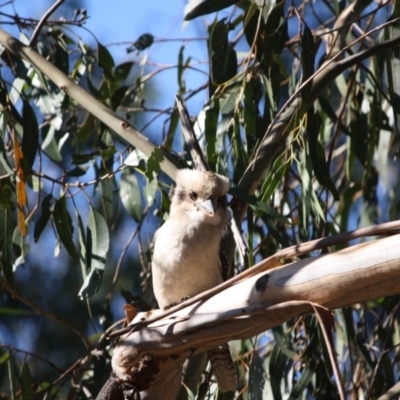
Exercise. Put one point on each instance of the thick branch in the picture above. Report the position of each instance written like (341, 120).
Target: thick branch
(353, 275)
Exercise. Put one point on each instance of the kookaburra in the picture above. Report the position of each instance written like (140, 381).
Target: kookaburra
(186, 258)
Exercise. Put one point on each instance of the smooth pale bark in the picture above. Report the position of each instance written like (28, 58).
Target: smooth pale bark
(356, 274)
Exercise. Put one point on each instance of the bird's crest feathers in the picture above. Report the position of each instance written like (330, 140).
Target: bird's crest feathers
(204, 183)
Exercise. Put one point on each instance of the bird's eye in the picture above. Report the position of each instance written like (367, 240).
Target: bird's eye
(193, 196)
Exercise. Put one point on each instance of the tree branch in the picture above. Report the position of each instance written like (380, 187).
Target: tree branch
(43, 20)
(82, 97)
(357, 274)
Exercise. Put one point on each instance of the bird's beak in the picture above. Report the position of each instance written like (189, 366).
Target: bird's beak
(207, 206)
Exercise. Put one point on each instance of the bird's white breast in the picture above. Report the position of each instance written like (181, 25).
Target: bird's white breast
(185, 259)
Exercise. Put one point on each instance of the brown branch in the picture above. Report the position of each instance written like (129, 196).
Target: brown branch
(43, 20)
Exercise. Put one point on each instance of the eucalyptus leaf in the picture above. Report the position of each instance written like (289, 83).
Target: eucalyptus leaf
(105, 61)
(64, 227)
(44, 217)
(130, 193)
(208, 7)
(256, 378)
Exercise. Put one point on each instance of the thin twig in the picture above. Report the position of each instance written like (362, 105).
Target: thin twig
(14, 293)
(43, 20)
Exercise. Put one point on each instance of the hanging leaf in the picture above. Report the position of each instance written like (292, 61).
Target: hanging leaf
(30, 138)
(131, 194)
(105, 60)
(21, 248)
(84, 158)
(61, 58)
(276, 370)
(64, 228)
(97, 245)
(44, 217)
(211, 125)
(122, 71)
(154, 163)
(100, 238)
(91, 284)
(317, 154)
(7, 227)
(223, 58)
(208, 7)
(26, 381)
(150, 190)
(256, 378)
(307, 60)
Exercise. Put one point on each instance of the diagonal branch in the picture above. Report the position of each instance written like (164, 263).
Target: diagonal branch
(87, 101)
(356, 274)
(43, 20)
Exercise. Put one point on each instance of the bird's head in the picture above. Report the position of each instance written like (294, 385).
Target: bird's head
(201, 192)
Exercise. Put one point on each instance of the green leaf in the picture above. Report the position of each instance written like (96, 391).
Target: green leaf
(105, 61)
(26, 381)
(100, 238)
(15, 312)
(211, 125)
(91, 284)
(11, 376)
(6, 194)
(84, 158)
(44, 217)
(64, 227)
(270, 211)
(173, 124)
(97, 244)
(275, 28)
(208, 7)
(30, 139)
(7, 226)
(250, 111)
(393, 72)
(154, 163)
(317, 154)
(21, 248)
(82, 245)
(122, 71)
(308, 197)
(307, 60)
(256, 378)
(223, 58)
(302, 383)
(229, 97)
(118, 96)
(61, 58)
(150, 190)
(274, 178)
(77, 171)
(4, 163)
(276, 369)
(131, 194)
(181, 70)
